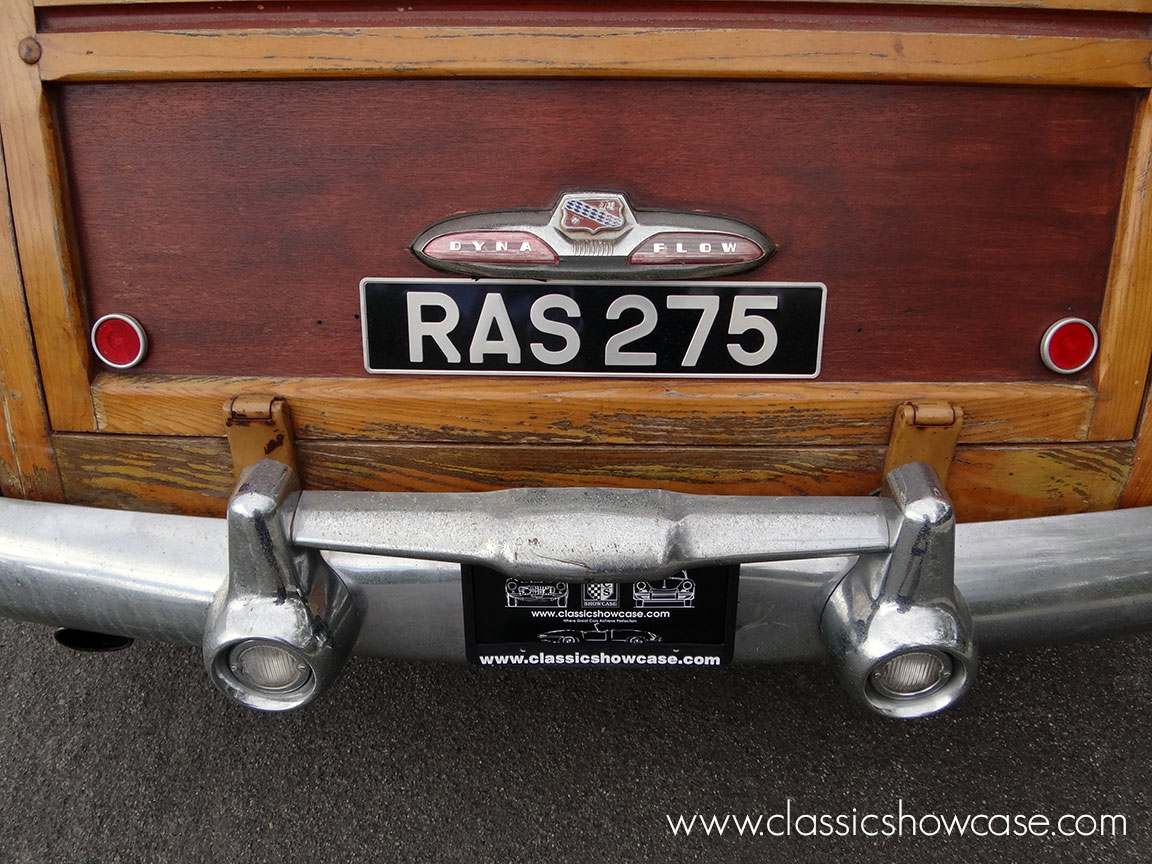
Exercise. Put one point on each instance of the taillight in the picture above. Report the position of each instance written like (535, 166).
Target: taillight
(1069, 345)
(119, 341)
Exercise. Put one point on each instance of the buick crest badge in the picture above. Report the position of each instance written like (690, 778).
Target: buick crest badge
(592, 235)
(591, 214)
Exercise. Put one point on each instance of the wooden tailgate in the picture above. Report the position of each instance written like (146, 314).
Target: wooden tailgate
(960, 176)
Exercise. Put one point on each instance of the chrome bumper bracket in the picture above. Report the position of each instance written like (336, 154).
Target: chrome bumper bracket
(904, 602)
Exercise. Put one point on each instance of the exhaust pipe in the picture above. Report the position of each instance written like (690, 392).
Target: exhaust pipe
(89, 642)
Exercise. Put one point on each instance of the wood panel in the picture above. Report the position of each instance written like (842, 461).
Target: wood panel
(27, 462)
(1097, 5)
(186, 475)
(37, 197)
(594, 52)
(1015, 482)
(195, 476)
(952, 225)
(519, 410)
(1126, 322)
(1138, 491)
(722, 14)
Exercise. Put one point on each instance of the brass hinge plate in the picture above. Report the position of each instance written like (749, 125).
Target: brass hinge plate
(925, 432)
(259, 427)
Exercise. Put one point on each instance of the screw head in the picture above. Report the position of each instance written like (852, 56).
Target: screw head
(30, 50)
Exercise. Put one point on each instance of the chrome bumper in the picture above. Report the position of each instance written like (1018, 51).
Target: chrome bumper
(851, 581)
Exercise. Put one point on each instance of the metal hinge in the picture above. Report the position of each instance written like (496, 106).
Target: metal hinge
(925, 432)
(259, 427)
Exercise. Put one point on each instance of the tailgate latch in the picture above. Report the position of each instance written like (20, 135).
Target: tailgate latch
(925, 432)
(259, 427)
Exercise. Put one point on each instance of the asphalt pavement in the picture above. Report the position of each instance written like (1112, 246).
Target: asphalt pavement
(135, 757)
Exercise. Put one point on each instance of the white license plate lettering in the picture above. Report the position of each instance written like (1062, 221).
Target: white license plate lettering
(705, 329)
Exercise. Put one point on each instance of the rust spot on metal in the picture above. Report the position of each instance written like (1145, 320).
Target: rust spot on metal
(274, 444)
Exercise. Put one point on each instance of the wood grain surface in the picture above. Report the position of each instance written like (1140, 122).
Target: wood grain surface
(38, 197)
(27, 463)
(1138, 491)
(722, 14)
(594, 52)
(1121, 370)
(951, 224)
(195, 475)
(1099, 5)
(588, 411)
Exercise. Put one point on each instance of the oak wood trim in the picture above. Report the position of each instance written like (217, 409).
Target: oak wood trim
(594, 51)
(1121, 369)
(27, 461)
(194, 475)
(592, 411)
(46, 259)
(1138, 491)
(1016, 482)
(1086, 5)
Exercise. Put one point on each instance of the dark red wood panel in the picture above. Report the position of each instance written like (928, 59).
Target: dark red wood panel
(952, 224)
(591, 13)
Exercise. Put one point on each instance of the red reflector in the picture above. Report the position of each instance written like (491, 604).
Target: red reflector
(491, 247)
(119, 341)
(1069, 345)
(695, 247)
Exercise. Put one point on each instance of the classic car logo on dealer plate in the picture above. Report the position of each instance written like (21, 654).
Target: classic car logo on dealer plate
(593, 235)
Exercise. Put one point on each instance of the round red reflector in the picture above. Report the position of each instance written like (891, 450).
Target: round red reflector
(119, 341)
(1069, 345)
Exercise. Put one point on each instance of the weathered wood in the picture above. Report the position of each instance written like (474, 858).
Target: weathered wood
(1121, 369)
(594, 52)
(195, 475)
(952, 225)
(27, 462)
(1014, 482)
(1097, 5)
(1138, 491)
(42, 233)
(527, 410)
(720, 14)
(183, 475)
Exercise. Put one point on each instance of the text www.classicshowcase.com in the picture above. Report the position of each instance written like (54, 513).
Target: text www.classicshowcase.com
(599, 659)
(899, 822)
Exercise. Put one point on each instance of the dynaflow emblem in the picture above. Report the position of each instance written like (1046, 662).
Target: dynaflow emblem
(592, 235)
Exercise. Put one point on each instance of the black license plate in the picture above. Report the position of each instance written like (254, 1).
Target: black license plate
(688, 619)
(669, 329)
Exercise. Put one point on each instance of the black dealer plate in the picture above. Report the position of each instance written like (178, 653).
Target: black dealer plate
(688, 619)
(610, 328)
